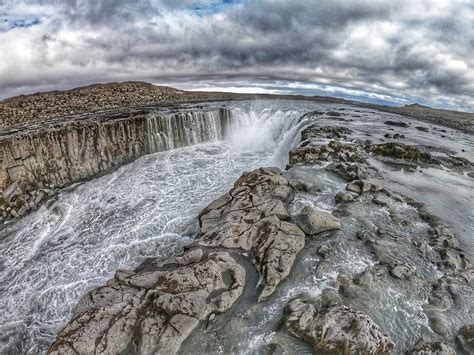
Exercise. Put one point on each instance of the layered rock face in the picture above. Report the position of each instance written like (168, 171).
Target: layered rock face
(34, 163)
(154, 308)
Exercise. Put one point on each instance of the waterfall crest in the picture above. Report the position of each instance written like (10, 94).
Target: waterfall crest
(183, 129)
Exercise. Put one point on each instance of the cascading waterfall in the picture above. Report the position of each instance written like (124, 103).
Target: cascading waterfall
(177, 130)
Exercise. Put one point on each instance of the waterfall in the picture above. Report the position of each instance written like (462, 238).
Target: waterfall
(177, 130)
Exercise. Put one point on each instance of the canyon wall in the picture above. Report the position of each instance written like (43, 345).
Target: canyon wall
(34, 163)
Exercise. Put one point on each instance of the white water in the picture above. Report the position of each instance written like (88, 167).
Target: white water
(50, 258)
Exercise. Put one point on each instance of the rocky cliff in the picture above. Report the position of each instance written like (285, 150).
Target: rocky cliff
(35, 162)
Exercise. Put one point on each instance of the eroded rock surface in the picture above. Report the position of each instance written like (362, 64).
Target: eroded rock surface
(333, 328)
(253, 217)
(154, 311)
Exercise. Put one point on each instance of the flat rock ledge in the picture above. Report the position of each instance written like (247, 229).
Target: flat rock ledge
(156, 307)
(332, 328)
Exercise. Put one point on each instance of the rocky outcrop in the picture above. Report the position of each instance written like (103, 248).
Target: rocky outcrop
(34, 163)
(155, 308)
(253, 217)
(333, 328)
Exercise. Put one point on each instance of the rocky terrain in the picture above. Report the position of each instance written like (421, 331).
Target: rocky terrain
(155, 308)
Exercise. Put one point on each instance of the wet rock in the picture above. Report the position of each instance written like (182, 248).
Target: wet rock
(396, 124)
(253, 216)
(333, 151)
(313, 221)
(399, 151)
(335, 328)
(315, 131)
(466, 338)
(352, 171)
(346, 196)
(325, 250)
(403, 271)
(301, 185)
(433, 348)
(362, 186)
(153, 311)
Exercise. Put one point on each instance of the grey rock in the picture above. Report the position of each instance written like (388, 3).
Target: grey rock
(432, 348)
(362, 186)
(152, 311)
(335, 329)
(403, 271)
(253, 217)
(466, 338)
(346, 196)
(313, 221)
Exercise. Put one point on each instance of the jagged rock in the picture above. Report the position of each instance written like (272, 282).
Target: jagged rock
(400, 151)
(325, 250)
(305, 186)
(352, 171)
(466, 338)
(403, 271)
(313, 221)
(335, 328)
(361, 186)
(253, 217)
(346, 196)
(326, 131)
(152, 311)
(333, 151)
(433, 348)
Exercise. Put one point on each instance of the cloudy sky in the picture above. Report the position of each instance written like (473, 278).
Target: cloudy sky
(381, 51)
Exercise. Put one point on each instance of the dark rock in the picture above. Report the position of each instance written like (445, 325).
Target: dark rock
(395, 123)
(362, 186)
(403, 271)
(346, 196)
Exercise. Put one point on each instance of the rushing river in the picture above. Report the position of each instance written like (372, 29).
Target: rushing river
(148, 208)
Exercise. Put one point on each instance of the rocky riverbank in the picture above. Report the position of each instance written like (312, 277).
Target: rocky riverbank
(250, 240)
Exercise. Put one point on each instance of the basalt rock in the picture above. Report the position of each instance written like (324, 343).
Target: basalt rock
(466, 338)
(312, 221)
(252, 216)
(433, 348)
(332, 328)
(154, 311)
(362, 186)
(333, 151)
(399, 151)
(315, 131)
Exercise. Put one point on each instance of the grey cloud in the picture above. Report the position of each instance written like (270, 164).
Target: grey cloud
(414, 51)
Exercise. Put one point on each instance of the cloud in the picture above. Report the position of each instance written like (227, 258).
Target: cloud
(399, 51)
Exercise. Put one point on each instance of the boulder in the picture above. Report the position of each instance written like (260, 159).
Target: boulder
(466, 338)
(313, 221)
(332, 328)
(432, 348)
(346, 196)
(362, 186)
(403, 271)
